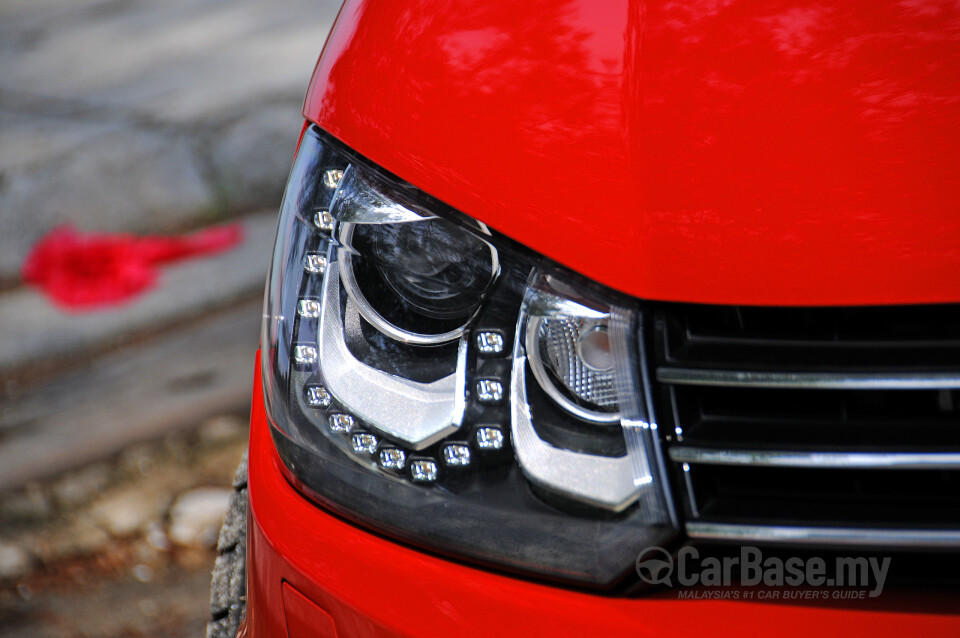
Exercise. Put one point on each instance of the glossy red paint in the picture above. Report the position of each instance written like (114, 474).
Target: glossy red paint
(375, 587)
(304, 618)
(784, 152)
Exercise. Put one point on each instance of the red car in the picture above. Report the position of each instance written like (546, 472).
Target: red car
(579, 311)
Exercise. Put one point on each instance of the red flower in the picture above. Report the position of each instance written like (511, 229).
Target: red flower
(83, 272)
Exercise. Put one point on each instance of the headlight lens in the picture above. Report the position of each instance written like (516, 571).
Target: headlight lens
(416, 277)
(433, 270)
(433, 380)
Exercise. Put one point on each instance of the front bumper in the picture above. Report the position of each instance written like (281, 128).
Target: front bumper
(310, 573)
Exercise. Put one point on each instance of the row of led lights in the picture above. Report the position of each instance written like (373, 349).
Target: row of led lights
(455, 455)
(489, 391)
(322, 219)
(488, 342)
(422, 470)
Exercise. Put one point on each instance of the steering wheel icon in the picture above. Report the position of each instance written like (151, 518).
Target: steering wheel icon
(655, 566)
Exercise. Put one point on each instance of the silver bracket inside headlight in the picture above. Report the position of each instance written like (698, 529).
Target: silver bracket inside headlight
(431, 411)
(597, 396)
(596, 480)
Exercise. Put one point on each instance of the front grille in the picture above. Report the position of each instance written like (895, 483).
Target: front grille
(831, 426)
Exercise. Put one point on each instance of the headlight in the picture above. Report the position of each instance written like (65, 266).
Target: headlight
(429, 378)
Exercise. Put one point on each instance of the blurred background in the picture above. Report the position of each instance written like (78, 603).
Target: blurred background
(121, 426)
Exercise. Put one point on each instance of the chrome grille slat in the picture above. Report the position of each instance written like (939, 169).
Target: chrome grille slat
(782, 458)
(860, 537)
(813, 426)
(817, 380)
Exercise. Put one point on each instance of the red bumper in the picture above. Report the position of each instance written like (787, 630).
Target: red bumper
(312, 574)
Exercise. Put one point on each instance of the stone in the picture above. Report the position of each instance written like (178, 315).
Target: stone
(114, 114)
(14, 561)
(222, 428)
(26, 505)
(32, 139)
(148, 608)
(179, 61)
(77, 488)
(138, 393)
(197, 515)
(143, 573)
(84, 538)
(138, 458)
(127, 512)
(121, 180)
(157, 537)
(270, 136)
(177, 446)
(79, 536)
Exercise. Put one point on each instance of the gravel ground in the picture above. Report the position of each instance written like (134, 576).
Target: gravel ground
(122, 547)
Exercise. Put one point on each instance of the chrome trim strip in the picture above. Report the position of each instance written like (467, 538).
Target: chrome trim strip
(918, 538)
(691, 494)
(601, 481)
(639, 341)
(811, 380)
(358, 201)
(840, 460)
(639, 424)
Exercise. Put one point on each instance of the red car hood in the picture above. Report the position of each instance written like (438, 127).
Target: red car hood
(800, 153)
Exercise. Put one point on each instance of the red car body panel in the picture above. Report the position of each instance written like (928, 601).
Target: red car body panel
(771, 153)
(371, 586)
(777, 153)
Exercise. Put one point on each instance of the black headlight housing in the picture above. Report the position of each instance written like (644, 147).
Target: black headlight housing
(431, 379)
